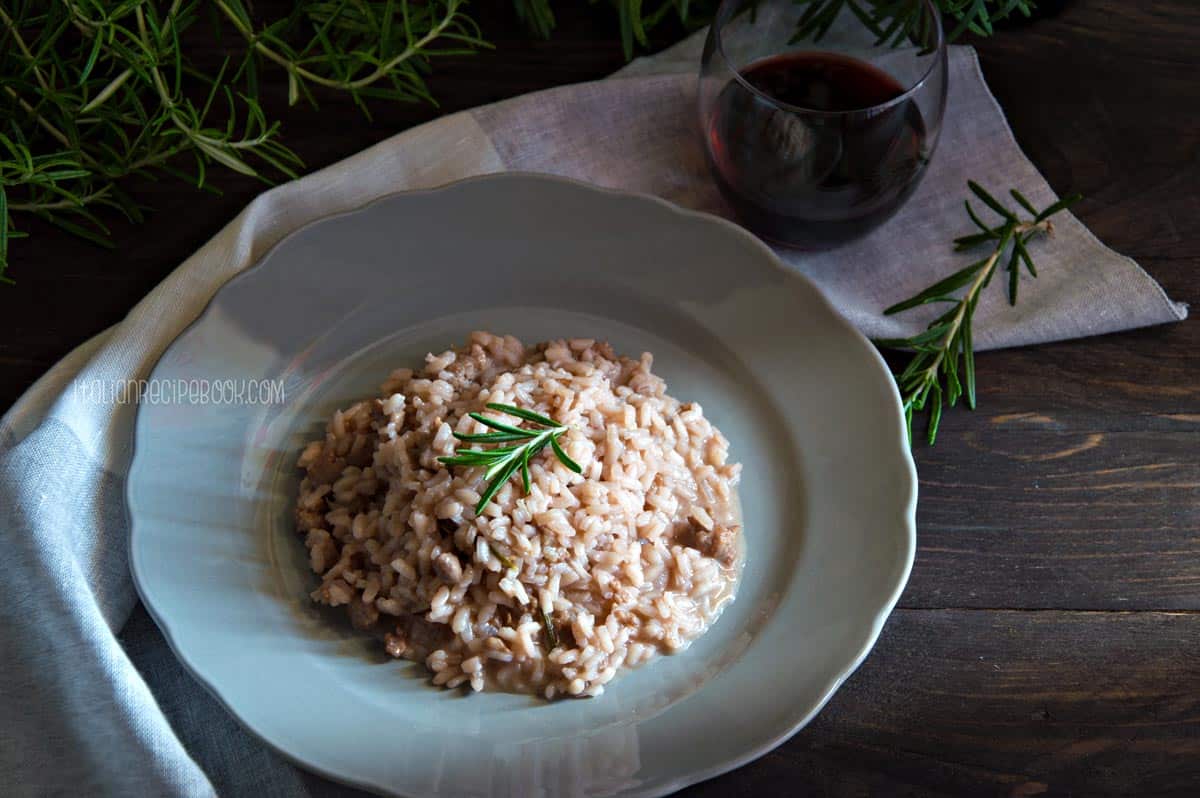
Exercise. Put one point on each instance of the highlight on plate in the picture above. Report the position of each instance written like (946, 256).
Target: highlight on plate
(530, 519)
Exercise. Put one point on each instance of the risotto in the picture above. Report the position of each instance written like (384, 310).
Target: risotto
(551, 590)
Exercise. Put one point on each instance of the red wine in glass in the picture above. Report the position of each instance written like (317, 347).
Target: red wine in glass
(821, 153)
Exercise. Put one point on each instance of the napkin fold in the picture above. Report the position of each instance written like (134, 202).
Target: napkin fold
(92, 700)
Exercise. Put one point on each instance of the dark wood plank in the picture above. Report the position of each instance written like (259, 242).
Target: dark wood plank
(1014, 513)
(1137, 381)
(1098, 97)
(1074, 485)
(956, 702)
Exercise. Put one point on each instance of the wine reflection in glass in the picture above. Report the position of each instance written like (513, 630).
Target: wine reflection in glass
(817, 136)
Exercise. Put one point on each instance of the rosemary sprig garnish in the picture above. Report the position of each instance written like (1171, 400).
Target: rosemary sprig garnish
(945, 351)
(503, 461)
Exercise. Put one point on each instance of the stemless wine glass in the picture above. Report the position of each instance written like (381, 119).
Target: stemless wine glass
(818, 118)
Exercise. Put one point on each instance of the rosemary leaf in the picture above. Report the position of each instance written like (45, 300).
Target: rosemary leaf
(562, 456)
(937, 291)
(971, 240)
(990, 201)
(1065, 202)
(490, 437)
(499, 425)
(551, 634)
(498, 477)
(525, 469)
(528, 415)
(1024, 203)
(968, 349)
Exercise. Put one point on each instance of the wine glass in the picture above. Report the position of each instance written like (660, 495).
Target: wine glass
(819, 117)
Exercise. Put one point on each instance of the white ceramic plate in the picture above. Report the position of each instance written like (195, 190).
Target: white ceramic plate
(828, 491)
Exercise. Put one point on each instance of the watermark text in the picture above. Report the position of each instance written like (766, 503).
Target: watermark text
(179, 392)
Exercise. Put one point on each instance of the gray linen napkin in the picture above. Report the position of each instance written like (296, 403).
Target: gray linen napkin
(92, 701)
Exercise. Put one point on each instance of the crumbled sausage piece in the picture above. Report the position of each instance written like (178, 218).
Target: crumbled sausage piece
(448, 568)
(327, 466)
(355, 446)
(724, 545)
(720, 543)
(309, 519)
(465, 367)
(362, 451)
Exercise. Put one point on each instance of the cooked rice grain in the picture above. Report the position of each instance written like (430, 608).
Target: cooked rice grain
(635, 557)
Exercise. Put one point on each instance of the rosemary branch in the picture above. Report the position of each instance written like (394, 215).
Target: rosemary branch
(93, 92)
(894, 21)
(502, 462)
(944, 353)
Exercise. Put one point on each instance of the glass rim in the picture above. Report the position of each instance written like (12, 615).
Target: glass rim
(719, 47)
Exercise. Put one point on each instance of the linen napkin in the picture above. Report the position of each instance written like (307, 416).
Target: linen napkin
(92, 701)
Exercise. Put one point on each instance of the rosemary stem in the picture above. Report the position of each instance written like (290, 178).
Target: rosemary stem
(107, 91)
(934, 376)
(976, 284)
(380, 71)
(151, 160)
(41, 120)
(60, 204)
(24, 48)
(960, 314)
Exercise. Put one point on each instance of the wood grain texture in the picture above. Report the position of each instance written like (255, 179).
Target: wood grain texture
(1047, 643)
(1013, 515)
(961, 702)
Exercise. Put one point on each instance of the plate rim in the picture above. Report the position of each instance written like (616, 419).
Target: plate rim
(664, 787)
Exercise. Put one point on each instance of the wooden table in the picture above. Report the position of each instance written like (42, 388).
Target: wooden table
(1049, 641)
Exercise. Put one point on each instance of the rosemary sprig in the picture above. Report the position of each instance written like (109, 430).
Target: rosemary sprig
(944, 352)
(94, 92)
(895, 21)
(502, 462)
